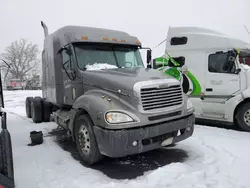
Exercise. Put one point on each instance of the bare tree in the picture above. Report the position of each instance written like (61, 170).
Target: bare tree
(22, 56)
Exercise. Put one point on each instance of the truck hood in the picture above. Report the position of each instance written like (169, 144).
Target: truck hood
(121, 78)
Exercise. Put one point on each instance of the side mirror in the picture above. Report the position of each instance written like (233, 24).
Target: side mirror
(237, 71)
(68, 50)
(170, 63)
(230, 61)
(154, 64)
(231, 56)
(149, 56)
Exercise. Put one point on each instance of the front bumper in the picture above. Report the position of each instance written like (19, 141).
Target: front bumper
(120, 143)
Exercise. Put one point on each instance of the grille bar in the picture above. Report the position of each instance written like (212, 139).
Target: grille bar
(161, 93)
(162, 106)
(159, 101)
(160, 90)
(156, 98)
(165, 95)
(157, 89)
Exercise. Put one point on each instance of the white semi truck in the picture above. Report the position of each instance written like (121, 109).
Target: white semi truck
(215, 73)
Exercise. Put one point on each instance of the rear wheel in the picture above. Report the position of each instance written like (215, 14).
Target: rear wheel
(47, 110)
(37, 110)
(28, 106)
(243, 117)
(86, 141)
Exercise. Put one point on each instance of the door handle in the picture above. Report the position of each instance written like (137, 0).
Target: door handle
(234, 80)
(209, 89)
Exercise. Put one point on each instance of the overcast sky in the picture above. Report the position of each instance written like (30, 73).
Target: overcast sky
(148, 20)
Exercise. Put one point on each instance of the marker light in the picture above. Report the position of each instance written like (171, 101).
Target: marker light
(105, 38)
(84, 38)
(138, 42)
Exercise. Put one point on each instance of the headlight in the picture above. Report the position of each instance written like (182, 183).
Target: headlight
(190, 106)
(118, 117)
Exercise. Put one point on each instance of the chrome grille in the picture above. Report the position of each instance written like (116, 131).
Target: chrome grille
(155, 98)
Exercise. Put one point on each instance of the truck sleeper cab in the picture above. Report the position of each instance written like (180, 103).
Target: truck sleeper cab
(214, 71)
(96, 86)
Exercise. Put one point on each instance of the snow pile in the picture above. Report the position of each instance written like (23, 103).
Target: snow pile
(214, 158)
(99, 66)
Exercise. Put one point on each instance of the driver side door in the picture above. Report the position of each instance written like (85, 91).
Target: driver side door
(68, 71)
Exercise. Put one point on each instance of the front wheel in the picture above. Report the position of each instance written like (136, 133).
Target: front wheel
(86, 141)
(243, 117)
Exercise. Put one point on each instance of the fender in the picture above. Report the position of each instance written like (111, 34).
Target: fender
(96, 103)
(246, 93)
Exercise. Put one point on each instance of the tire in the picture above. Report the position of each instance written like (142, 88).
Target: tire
(6, 157)
(28, 106)
(91, 154)
(242, 122)
(37, 110)
(47, 110)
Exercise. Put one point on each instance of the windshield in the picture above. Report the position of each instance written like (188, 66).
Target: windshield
(103, 57)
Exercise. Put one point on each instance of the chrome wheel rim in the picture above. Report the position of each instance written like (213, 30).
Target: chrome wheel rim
(247, 117)
(84, 139)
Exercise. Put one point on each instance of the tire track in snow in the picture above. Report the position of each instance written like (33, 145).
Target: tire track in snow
(216, 162)
(18, 115)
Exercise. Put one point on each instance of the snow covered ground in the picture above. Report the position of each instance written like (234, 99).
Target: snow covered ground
(212, 157)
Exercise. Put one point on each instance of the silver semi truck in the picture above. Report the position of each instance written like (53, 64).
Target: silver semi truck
(96, 86)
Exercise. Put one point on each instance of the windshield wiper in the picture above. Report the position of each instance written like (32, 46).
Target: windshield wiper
(116, 59)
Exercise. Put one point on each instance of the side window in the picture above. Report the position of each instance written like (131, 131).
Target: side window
(218, 63)
(178, 41)
(67, 60)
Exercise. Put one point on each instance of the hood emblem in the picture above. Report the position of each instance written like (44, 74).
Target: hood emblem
(154, 78)
(163, 86)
